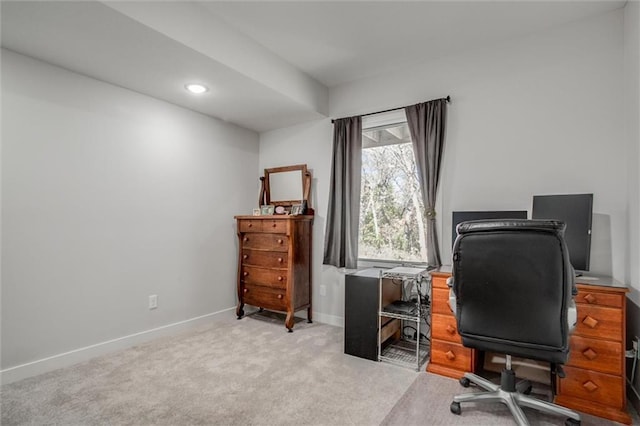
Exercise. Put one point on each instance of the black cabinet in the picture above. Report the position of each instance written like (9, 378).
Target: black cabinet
(361, 314)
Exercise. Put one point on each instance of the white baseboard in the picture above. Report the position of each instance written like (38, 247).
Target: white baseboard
(328, 319)
(75, 356)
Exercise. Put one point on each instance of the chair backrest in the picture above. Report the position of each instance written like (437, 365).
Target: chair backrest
(513, 284)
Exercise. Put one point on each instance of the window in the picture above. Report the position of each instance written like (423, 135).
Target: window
(392, 222)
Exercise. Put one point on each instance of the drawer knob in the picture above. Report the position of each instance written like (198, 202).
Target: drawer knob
(590, 322)
(590, 298)
(279, 296)
(589, 354)
(245, 273)
(245, 239)
(450, 356)
(280, 260)
(274, 224)
(246, 290)
(451, 329)
(245, 256)
(280, 241)
(250, 225)
(280, 278)
(589, 386)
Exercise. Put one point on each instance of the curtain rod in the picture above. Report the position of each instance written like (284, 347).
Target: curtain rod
(448, 99)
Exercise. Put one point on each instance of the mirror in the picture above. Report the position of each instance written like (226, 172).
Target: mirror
(285, 186)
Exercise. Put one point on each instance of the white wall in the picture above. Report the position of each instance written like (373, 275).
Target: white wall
(632, 136)
(536, 115)
(109, 196)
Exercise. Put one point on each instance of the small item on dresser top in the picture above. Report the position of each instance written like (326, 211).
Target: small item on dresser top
(267, 209)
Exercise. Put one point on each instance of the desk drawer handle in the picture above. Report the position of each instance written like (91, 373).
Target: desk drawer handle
(590, 322)
(246, 290)
(280, 241)
(590, 386)
(590, 354)
(245, 239)
(280, 277)
(450, 356)
(279, 296)
(245, 256)
(274, 224)
(590, 298)
(280, 260)
(245, 273)
(250, 225)
(451, 330)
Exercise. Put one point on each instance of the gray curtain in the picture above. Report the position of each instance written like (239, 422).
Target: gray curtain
(427, 126)
(341, 234)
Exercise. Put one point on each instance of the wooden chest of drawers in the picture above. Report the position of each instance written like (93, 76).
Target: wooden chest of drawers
(448, 356)
(595, 372)
(274, 264)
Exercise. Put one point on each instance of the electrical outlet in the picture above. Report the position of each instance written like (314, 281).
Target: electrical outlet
(153, 301)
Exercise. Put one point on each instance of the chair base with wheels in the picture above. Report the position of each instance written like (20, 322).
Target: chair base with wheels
(513, 395)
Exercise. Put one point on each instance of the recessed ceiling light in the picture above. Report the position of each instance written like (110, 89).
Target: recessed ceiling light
(196, 88)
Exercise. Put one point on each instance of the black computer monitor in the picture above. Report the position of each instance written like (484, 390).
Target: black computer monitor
(575, 210)
(463, 216)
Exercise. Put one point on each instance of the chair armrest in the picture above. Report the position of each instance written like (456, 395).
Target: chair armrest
(452, 295)
(572, 315)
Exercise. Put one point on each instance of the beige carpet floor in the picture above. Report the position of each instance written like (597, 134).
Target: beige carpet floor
(232, 372)
(247, 372)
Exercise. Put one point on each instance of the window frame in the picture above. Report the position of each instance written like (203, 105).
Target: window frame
(371, 122)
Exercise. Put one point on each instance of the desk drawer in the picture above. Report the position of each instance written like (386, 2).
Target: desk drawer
(444, 327)
(593, 386)
(594, 354)
(451, 355)
(440, 302)
(590, 297)
(599, 321)
(439, 282)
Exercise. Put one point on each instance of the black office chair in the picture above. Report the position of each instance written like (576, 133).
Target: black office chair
(512, 292)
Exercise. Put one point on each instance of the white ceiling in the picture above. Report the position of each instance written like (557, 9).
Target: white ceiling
(268, 64)
(337, 42)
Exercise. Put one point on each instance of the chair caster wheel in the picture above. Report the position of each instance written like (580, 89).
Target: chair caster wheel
(571, 422)
(455, 408)
(464, 382)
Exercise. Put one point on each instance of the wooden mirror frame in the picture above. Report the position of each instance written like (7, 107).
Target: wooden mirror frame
(265, 189)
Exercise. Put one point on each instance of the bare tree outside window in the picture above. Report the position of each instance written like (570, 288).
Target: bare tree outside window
(392, 222)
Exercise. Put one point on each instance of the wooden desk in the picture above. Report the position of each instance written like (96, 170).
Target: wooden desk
(595, 372)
